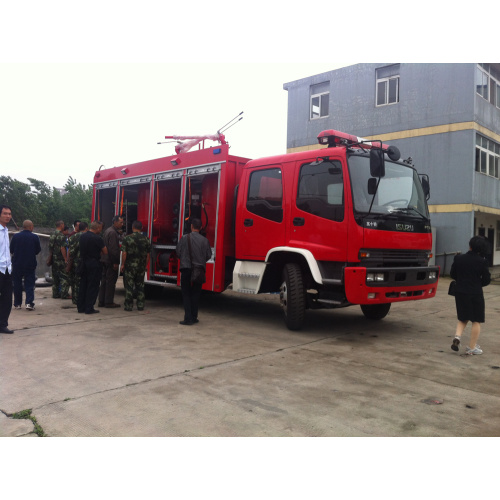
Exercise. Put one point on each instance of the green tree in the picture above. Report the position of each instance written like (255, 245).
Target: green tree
(18, 196)
(76, 203)
(43, 204)
(48, 203)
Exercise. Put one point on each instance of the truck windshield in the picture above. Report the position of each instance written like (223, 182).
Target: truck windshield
(399, 191)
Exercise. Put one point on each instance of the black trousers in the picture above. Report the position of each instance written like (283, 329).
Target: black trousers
(89, 285)
(5, 298)
(190, 296)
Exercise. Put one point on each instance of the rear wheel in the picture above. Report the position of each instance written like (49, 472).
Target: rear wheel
(375, 311)
(292, 296)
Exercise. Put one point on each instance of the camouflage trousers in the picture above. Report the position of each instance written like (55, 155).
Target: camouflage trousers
(133, 281)
(74, 281)
(60, 282)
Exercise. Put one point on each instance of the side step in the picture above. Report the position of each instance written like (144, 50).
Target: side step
(247, 276)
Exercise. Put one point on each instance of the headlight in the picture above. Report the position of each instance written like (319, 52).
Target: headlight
(432, 275)
(375, 277)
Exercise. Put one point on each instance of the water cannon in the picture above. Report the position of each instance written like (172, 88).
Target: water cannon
(190, 141)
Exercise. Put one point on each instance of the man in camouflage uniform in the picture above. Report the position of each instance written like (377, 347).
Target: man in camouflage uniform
(74, 259)
(135, 257)
(57, 245)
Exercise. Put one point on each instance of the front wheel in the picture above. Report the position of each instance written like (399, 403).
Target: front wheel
(293, 297)
(375, 311)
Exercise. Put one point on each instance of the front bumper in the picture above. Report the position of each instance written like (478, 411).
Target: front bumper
(399, 284)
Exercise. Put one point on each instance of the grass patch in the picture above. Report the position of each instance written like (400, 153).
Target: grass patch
(26, 415)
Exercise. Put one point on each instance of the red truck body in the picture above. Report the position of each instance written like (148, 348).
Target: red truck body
(313, 226)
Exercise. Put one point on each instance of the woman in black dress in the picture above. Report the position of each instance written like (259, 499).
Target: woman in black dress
(471, 273)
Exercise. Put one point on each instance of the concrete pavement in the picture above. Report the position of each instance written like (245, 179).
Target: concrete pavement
(240, 372)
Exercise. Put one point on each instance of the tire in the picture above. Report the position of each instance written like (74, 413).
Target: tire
(376, 311)
(293, 297)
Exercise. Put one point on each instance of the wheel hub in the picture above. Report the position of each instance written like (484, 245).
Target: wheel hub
(283, 296)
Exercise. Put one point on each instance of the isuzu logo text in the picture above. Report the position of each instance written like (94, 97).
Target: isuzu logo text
(404, 227)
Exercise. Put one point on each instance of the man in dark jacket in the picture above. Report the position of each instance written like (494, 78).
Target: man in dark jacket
(91, 249)
(24, 247)
(192, 250)
(110, 263)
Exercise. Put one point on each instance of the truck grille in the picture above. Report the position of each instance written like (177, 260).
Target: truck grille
(396, 258)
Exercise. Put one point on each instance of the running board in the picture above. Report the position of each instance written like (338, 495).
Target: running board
(247, 276)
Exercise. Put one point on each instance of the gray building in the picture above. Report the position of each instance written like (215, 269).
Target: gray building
(445, 116)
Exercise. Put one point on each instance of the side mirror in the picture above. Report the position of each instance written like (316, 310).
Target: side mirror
(372, 186)
(424, 179)
(377, 165)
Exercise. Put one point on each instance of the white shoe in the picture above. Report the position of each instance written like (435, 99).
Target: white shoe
(476, 350)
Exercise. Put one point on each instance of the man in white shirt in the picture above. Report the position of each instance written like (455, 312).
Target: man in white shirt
(5, 270)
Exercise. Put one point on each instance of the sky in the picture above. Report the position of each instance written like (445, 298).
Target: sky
(68, 119)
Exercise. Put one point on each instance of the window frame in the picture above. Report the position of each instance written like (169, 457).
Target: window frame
(334, 212)
(492, 89)
(255, 206)
(321, 95)
(386, 80)
(487, 157)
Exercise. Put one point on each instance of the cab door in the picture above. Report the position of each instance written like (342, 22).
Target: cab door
(260, 216)
(318, 221)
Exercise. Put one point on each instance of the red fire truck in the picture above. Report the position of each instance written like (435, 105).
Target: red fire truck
(344, 224)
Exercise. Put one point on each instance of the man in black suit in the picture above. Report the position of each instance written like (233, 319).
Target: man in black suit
(91, 248)
(24, 247)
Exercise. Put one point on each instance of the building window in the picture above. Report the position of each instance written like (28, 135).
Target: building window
(487, 156)
(498, 235)
(482, 81)
(488, 83)
(387, 85)
(320, 98)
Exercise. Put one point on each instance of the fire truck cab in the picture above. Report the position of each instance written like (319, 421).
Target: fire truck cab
(346, 224)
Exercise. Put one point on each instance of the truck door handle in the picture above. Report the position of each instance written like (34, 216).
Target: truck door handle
(248, 222)
(299, 221)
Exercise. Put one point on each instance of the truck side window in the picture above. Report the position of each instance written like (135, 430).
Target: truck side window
(321, 190)
(265, 194)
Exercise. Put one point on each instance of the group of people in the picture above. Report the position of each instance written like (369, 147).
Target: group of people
(87, 261)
